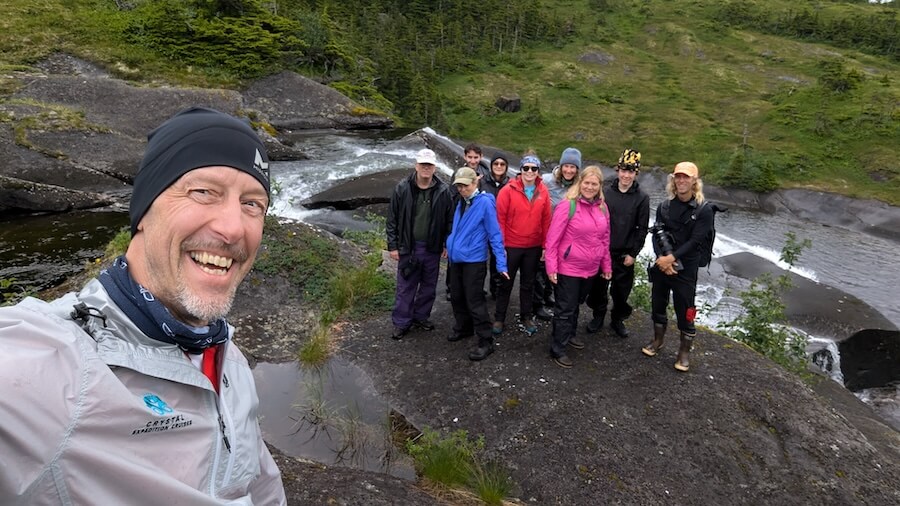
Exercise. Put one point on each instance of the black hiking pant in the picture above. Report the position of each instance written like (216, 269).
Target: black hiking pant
(683, 287)
(526, 259)
(618, 288)
(570, 294)
(468, 301)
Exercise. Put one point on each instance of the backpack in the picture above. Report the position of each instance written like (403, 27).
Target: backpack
(572, 208)
(706, 246)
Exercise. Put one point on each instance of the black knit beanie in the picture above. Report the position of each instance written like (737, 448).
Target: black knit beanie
(195, 138)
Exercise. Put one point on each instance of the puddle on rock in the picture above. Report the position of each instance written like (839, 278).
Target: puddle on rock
(330, 414)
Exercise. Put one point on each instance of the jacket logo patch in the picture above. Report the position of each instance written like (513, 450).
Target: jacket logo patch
(157, 405)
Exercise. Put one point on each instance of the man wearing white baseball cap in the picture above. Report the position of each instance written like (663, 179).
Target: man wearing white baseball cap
(418, 223)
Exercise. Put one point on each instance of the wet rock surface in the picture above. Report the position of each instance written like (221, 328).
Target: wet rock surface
(812, 306)
(623, 428)
(100, 152)
(618, 428)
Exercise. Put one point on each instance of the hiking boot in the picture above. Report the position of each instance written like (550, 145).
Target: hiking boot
(563, 361)
(595, 325)
(457, 336)
(576, 343)
(424, 324)
(399, 332)
(618, 326)
(481, 352)
(682, 362)
(530, 326)
(659, 333)
(542, 313)
(497, 329)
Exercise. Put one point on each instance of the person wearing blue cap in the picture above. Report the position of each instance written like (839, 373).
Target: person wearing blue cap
(135, 392)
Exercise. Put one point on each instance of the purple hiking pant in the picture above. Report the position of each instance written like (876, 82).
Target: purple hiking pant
(415, 294)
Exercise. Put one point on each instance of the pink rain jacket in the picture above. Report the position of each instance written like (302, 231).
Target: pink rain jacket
(578, 246)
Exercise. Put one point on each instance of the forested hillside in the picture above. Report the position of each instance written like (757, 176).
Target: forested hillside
(760, 93)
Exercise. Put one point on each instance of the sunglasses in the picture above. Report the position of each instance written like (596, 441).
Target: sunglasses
(528, 168)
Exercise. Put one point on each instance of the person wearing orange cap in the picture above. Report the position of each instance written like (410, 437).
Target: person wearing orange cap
(684, 223)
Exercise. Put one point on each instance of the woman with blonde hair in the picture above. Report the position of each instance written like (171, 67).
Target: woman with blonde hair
(577, 247)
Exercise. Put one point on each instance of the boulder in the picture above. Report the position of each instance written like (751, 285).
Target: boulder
(597, 57)
(291, 102)
(816, 308)
(509, 103)
(19, 197)
(359, 191)
(870, 358)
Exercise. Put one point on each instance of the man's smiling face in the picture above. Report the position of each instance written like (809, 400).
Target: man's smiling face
(198, 240)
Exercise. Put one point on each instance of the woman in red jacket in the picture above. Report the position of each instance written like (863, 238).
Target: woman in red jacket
(523, 211)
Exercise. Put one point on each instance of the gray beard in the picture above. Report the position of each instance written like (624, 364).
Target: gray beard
(203, 310)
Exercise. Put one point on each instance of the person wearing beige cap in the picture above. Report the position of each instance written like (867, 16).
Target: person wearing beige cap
(475, 228)
(682, 224)
(417, 227)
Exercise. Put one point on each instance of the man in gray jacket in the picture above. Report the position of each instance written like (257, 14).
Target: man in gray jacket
(130, 391)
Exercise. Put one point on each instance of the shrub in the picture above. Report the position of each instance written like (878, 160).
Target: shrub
(749, 170)
(640, 294)
(763, 324)
(836, 78)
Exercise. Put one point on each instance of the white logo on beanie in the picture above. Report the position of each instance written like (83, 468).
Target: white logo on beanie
(261, 166)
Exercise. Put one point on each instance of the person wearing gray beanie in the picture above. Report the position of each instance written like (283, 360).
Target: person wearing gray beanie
(559, 181)
(143, 349)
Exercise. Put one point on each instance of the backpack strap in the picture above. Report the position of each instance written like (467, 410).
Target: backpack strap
(571, 208)
(699, 209)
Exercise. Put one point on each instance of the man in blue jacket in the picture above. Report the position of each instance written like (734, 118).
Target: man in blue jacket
(475, 227)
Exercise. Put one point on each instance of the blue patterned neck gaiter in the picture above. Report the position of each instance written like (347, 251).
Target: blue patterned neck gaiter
(154, 320)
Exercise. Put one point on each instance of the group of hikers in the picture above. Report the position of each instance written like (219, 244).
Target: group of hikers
(133, 379)
(571, 237)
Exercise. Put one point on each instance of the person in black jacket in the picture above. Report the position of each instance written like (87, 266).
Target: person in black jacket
(418, 223)
(492, 182)
(684, 227)
(629, 213)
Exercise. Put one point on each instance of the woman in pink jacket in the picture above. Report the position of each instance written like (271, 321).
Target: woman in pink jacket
(577, 248)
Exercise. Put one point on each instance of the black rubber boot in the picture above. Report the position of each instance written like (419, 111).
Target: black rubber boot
(659, 333)
(682, 362)
(618, 326)
(595, 324)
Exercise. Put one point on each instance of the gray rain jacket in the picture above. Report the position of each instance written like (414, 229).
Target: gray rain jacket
(94, 413)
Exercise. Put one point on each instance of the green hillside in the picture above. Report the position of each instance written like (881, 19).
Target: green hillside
(677, 84)
(761, 94)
